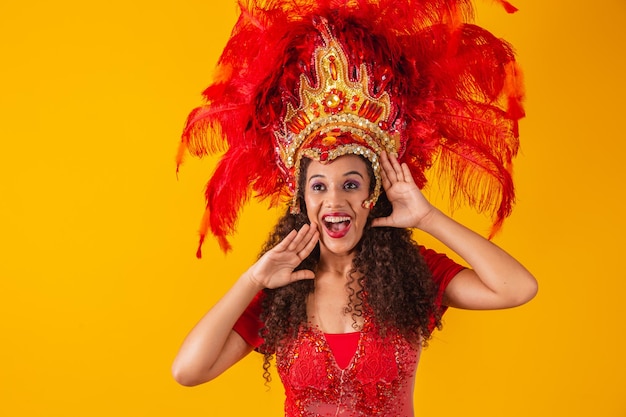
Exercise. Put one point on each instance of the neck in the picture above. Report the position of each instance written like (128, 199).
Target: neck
(336, 265)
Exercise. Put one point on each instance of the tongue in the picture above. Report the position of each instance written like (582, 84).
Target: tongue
(337, 227)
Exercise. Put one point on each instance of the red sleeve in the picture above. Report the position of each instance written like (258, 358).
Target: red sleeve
(249, 324)
(443, 270)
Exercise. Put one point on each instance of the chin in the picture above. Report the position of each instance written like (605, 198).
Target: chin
(338, 248)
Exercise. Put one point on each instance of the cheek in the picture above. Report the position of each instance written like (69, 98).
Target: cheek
(312, 206)
(363, 214)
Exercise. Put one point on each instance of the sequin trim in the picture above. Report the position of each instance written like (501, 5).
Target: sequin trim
(378, 381)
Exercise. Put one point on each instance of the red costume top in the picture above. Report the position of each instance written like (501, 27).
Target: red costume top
(355, 374)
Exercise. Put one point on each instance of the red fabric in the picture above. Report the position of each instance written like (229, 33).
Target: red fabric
(343, 346)
(249, 324)
(361, 374)
(377, 382)
(443, 269)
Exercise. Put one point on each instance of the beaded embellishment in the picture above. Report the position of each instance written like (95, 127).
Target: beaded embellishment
(377, 382)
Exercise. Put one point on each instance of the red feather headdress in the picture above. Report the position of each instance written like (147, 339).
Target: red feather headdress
(447, 89)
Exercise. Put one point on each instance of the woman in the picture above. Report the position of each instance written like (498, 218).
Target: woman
(333, 194)
(342, 107)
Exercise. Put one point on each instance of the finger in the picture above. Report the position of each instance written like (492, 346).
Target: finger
(302, 274)
(311, 241)
(287, 240)
(385, 179)
(396, 167)
(308, 240)
(312, 232)
(315, 227)
(381, 222)
(297, 242)
(388, 170)
(408, 177)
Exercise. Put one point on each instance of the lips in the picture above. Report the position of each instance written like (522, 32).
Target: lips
(336, 225)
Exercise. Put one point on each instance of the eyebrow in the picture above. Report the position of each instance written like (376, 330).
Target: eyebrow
(345, 175)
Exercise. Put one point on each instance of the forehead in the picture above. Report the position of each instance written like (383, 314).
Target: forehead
(338, 166)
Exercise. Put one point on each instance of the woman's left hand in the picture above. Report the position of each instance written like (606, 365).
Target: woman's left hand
(410, 207)
(494, 280)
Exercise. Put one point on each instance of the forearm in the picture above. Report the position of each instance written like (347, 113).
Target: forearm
(502, 280)
(204, 345)
(212, 346)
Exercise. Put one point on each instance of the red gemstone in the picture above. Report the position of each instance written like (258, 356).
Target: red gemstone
(333, 69)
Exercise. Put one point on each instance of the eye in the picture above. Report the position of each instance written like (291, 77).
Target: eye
(351, 185)
(318, 186)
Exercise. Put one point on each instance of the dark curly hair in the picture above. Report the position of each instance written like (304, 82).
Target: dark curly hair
(397, 287)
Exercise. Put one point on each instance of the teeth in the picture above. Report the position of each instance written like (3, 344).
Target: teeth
(336, 219)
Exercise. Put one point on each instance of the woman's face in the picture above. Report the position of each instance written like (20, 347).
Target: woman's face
(333, 195)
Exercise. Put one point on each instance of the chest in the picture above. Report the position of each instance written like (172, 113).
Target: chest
(379, 374)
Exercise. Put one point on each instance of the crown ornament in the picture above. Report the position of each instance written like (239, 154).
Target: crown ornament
(337, 116)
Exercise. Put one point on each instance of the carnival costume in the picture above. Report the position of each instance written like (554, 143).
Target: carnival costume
(321, 79)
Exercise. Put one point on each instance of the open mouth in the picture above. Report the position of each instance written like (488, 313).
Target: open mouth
(337, 226)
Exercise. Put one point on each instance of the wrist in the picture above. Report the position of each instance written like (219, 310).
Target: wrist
(252, 281)
(428, 222)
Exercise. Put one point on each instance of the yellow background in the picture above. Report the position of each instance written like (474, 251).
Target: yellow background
(98, 279)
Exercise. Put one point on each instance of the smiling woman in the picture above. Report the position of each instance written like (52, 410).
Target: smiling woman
(342, 296)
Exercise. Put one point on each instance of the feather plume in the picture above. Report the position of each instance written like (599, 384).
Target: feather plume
(456, 93)
(507, 6)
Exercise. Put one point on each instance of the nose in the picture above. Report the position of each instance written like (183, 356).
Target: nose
(334, 198)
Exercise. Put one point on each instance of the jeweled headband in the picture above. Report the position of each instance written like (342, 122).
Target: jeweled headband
(324, 78)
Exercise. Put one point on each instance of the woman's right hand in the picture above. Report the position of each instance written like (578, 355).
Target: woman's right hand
(276, 267)
(213, 346)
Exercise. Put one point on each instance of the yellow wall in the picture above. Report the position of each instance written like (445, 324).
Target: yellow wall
(98, 280)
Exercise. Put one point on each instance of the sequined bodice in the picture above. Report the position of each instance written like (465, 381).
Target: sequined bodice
(377, 382)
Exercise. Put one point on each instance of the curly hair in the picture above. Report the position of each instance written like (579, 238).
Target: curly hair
(396, 285)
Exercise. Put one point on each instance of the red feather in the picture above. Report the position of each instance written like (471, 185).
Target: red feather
(455, 88)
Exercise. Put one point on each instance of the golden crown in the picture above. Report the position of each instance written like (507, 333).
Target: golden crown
(337, 117)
